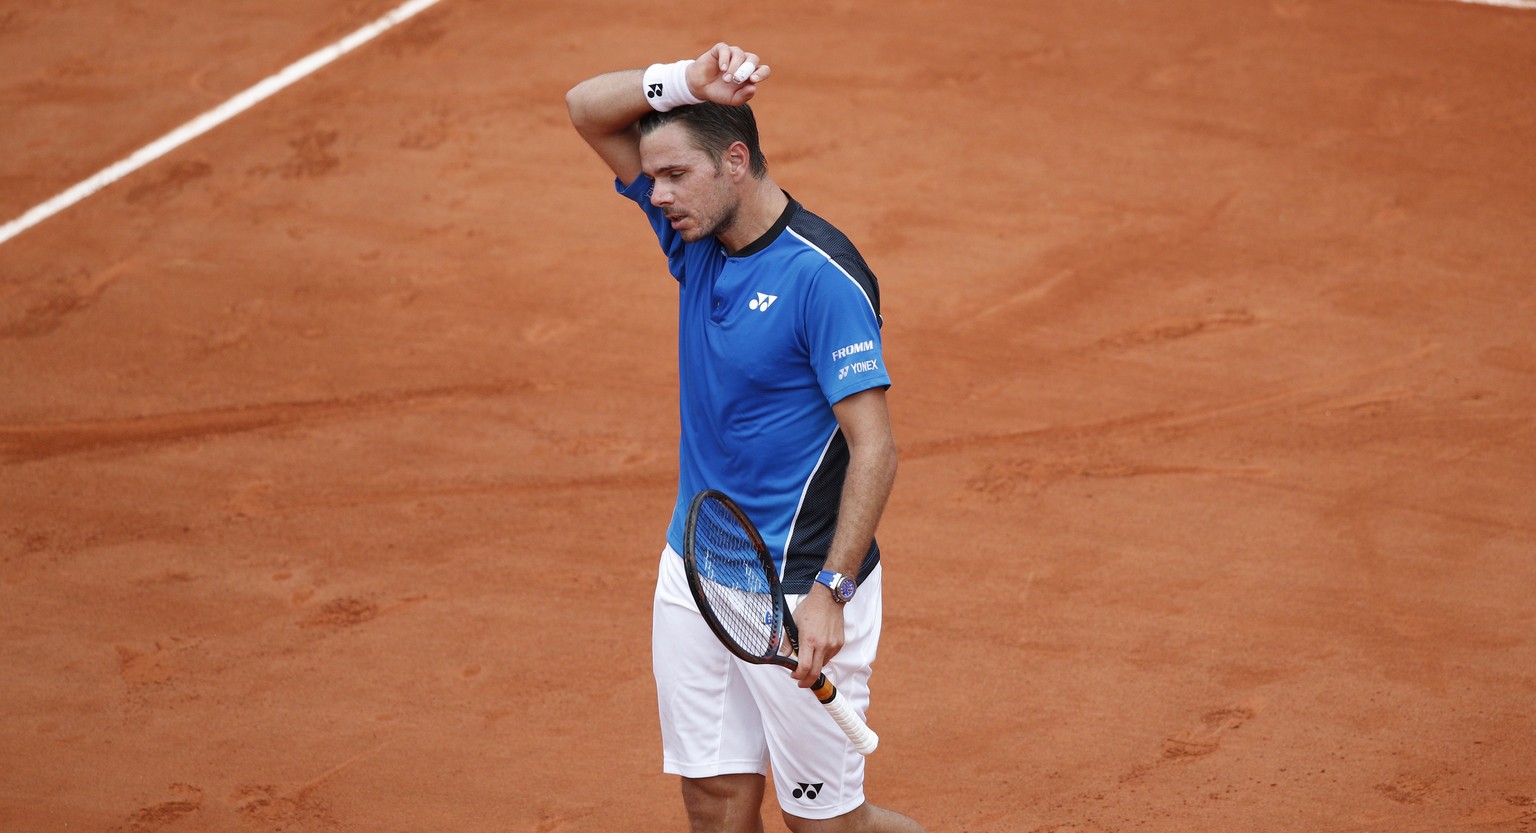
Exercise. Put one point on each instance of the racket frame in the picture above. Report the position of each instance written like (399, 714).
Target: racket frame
(863, 738)
(784, 623)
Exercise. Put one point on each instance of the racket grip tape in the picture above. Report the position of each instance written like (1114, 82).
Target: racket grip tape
(863, 738)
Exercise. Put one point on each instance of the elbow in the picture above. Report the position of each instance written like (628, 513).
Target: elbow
(579, 104)
(575, 105)
(586, 114)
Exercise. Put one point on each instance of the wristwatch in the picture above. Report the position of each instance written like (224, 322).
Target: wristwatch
(842, 587)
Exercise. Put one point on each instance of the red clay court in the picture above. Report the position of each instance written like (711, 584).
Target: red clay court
(336, 444)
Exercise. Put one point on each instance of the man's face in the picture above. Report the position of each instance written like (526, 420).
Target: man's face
(696, 196)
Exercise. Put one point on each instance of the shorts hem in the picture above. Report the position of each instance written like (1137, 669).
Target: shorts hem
(823, 813)
(710, 770)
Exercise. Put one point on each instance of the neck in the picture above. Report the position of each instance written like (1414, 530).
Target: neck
(758, 210)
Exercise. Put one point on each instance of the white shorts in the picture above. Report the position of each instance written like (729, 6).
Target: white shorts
(721, 716)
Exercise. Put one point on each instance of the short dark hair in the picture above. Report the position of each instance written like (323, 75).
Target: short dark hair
(714, 127)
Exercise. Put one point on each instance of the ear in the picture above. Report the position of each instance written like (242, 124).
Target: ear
(738, 161)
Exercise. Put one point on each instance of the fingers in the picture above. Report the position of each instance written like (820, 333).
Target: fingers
(821, 635)
(736, 65)
(747, 71)
(808, 671)
(812, 659)
(807, 664)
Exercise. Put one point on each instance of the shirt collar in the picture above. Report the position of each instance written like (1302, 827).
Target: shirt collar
(772, 233)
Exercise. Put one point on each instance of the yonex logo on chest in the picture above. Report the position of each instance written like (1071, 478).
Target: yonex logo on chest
(762, 302)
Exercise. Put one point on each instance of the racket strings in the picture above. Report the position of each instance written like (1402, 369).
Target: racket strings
(734, 582)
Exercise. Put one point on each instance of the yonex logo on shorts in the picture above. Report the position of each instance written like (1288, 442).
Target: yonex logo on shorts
(807, 791)
(762, 302)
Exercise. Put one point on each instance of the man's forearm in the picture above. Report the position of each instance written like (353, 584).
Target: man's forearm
(607, 104)
(604, 110)
(867, 488)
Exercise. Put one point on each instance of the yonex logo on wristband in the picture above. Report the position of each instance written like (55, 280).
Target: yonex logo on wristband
(807, 791)
(666, 86)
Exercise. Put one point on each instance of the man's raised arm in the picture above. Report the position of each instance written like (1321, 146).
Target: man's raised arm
(606, 108)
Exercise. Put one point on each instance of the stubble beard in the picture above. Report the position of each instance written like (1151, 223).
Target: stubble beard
(721, 223)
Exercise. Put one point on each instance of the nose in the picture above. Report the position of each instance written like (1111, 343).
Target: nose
(660, 197)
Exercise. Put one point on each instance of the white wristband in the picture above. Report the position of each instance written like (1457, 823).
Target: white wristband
(666, 86)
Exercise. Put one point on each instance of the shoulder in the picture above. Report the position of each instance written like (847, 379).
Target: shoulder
(833, 253)
(821, 235)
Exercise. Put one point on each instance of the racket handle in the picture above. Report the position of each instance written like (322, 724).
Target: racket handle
(863, 738)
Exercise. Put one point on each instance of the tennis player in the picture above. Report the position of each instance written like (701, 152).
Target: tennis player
(783, 407)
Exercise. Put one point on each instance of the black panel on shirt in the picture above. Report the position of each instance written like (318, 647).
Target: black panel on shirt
(811, 538)
(816, 522)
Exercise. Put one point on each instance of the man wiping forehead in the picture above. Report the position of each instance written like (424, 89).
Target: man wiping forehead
(782, 400)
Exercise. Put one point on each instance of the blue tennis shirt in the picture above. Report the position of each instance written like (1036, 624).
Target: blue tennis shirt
(768, 340)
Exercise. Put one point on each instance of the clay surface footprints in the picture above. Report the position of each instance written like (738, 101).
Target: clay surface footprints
(1206, 738)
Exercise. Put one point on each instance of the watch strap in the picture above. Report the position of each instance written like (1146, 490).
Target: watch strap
(842, 587)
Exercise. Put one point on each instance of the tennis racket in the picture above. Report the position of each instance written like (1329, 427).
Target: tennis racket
(737, 589)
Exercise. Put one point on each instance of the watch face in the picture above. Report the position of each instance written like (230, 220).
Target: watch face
(845, 588)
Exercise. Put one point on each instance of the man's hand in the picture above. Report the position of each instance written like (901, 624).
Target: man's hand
(820, 620)
(726, 75)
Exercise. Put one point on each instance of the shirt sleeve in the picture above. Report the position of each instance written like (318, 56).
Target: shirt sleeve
(672, 243)
(843, 336)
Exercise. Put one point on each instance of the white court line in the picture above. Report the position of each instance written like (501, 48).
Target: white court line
(1508, 4)
(215, 117)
